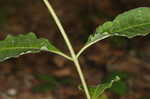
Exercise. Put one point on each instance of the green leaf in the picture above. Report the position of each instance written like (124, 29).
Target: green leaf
(111, 75)
(135, 22)
(97, 91)
(120, 87)
(14, 46)
(101, 33)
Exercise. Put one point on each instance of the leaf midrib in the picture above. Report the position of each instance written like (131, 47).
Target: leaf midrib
(3, 49)
(133, 26)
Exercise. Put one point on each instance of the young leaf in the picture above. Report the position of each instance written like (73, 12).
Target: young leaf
(97, 91)
(14, 46)
(120, 87)
(135, 22)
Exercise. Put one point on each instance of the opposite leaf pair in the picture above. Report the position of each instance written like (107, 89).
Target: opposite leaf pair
(133, 23)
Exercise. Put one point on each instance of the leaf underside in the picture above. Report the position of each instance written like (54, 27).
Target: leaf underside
(14, 46)
(135, 22)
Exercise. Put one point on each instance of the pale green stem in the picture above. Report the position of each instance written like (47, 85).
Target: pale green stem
(91, 43)
(75, 60)
(64, 55)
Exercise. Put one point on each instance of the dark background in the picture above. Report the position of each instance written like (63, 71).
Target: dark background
(80, 18)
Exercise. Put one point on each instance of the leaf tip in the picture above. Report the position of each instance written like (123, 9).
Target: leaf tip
(117, 78)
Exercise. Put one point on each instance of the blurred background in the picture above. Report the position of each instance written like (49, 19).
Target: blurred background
(48, 76)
